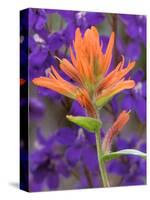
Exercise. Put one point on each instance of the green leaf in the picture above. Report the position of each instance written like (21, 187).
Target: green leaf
(89, 123)
(124, 152)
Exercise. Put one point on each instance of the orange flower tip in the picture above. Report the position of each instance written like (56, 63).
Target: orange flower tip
(126, 113)
(34, 80)
(68, 116)
(112, 38)
(22, 81)
(113, 35)
(78, 32)
(38, 81)
(129, 111)
(132, 83)
(94, 29)
(122, 58)
(132, 63)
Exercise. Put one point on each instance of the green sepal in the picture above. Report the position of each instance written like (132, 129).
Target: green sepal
(102, 101)
(124, 152)
(89, 123)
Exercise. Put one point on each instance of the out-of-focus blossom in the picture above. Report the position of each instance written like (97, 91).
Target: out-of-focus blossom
(135, 26)
(82, 19)
(77, 109)
(131, 169)
(46, 165)
(38, 19)
(135, 99)
(36, 108)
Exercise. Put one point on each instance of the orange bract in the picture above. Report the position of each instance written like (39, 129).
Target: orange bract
(88, 69)
(115, 129)
(22, 81)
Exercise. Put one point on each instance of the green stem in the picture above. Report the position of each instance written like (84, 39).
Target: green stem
(101, 162)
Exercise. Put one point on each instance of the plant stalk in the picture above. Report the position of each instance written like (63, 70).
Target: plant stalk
(101, 162)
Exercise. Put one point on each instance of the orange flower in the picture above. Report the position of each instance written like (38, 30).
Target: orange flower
(88, 68)
(22, 81)
(115, 129)
(114, 82)
(57, 83)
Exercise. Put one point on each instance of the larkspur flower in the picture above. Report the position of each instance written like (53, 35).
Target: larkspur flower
(36, 108)
(82, 19)
(88, 70)
(135, 26)
(38, 19)
(131, 49)
(76, 109)
(135, 99)
(131, 170)
(46, 164)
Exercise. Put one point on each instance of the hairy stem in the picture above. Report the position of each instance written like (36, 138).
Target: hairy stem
(101, 162)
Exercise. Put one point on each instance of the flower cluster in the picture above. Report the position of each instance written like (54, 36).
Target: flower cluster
(88, 70)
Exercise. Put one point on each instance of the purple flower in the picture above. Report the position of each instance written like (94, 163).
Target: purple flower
(82, 19)
(131, 169)
(89, 157)
(66, 136)
(50, 94)
(135, 26)
(42, 167)
(74, 151)
(90, 182)
(36, 108)
(81, 149)
(37, 59)
(55, 41)
(135, 99)
(76, 109)
(133, 51)
(38, 18)
(46, 165)
(38, 56)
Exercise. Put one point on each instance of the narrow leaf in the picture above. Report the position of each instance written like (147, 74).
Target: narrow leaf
(91, 124)
(125, 152)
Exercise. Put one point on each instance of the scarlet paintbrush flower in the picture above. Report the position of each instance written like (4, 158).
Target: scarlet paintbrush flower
(115, 129)
(88, 68)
